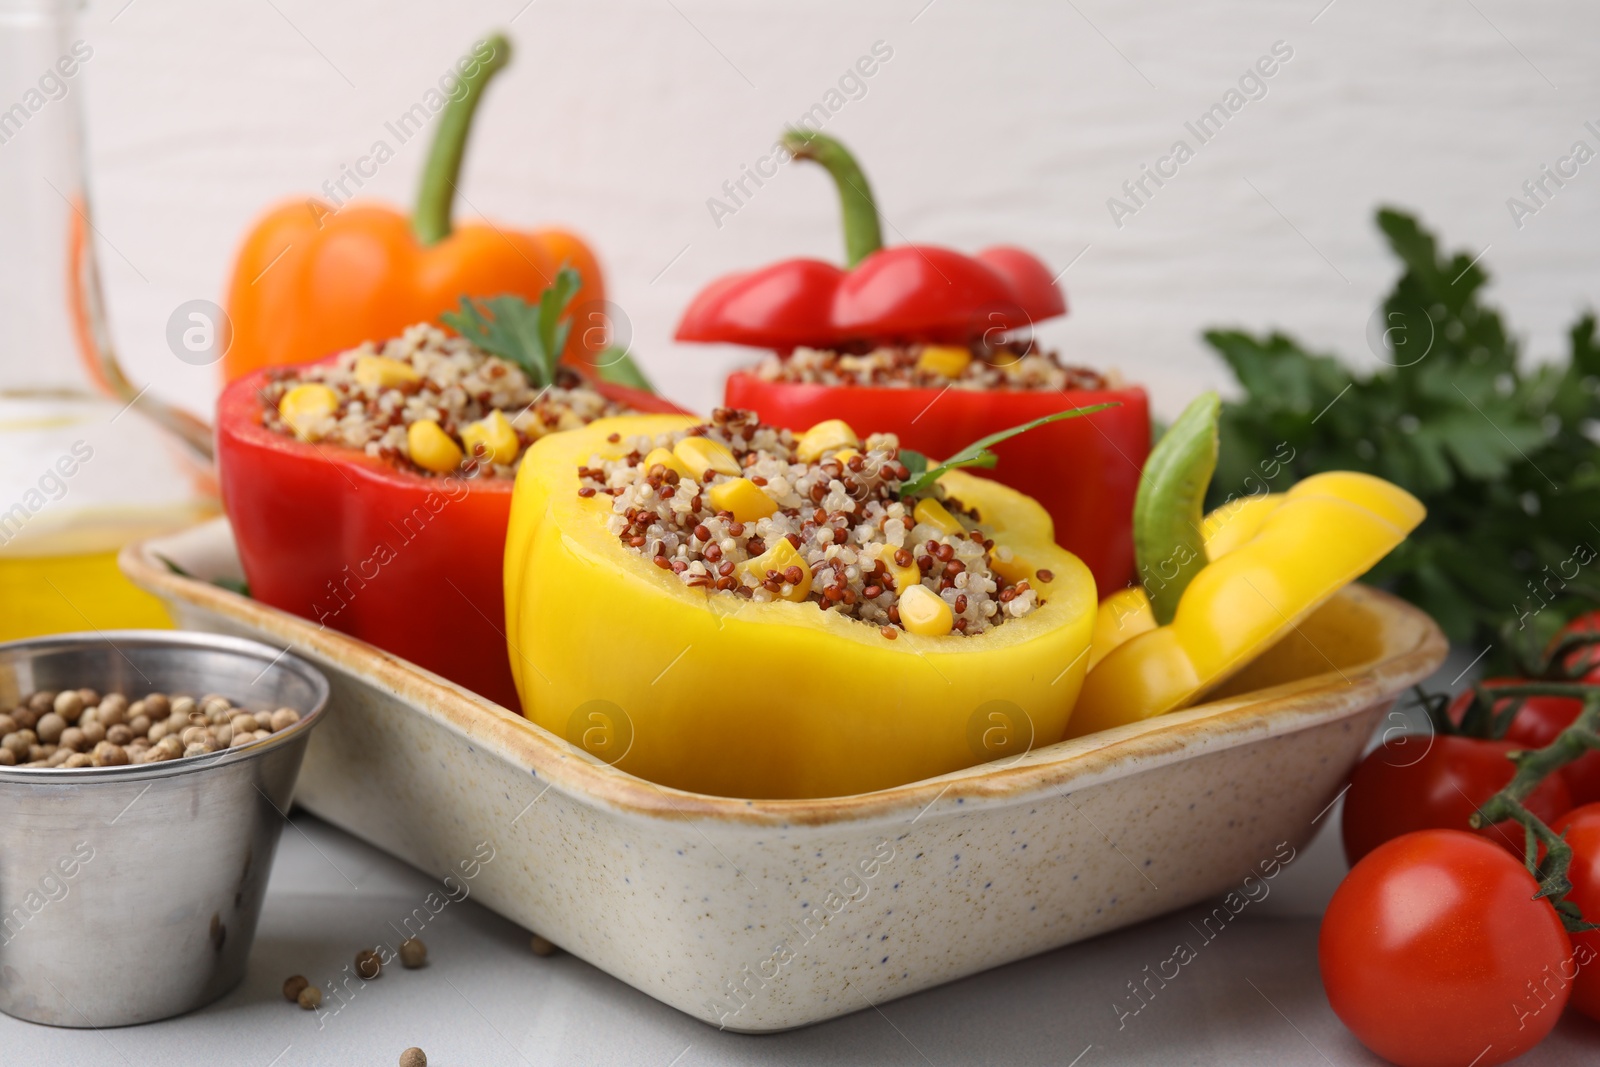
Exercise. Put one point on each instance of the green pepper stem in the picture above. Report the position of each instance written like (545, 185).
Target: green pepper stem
(1532, 768)
(1169, 508)
(436, 194)
(862, 234)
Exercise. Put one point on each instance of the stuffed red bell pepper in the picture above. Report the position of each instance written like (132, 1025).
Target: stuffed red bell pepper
(371, 491)
(926, 343)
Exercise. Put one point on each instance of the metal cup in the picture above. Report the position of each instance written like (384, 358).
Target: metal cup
(130, 894)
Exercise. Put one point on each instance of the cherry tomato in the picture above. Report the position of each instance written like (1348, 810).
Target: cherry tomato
(1428, 949)
(1586, 659)
(1582, 829)
(1536, 725)
(1436, 783)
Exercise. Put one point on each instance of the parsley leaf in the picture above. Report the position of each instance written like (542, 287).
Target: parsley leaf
(977, 454)
(1504, 456)
(531, 336)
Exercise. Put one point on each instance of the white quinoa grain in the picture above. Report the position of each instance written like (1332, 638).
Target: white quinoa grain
(459, 384)
(1017, 366)
(847, 525)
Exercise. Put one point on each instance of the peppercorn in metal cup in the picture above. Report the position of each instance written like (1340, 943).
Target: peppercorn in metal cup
(130, 893)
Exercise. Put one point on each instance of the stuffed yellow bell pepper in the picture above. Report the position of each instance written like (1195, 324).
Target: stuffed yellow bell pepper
(1221, 589)
(734, 609)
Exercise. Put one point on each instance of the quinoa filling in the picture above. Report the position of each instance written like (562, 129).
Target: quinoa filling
(429, 403)
(1016, 365)
(749, 510)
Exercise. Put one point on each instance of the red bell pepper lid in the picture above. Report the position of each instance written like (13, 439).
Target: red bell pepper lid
(905, 293)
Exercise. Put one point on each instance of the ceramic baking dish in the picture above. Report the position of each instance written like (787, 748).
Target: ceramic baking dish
(766, 915)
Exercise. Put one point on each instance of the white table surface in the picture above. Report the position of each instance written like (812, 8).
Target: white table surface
(1252, 996)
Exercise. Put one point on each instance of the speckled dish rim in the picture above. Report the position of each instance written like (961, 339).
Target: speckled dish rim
(1412, 642)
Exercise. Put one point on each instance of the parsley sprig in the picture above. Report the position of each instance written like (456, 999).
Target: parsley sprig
(533, 336)
(1504, 455)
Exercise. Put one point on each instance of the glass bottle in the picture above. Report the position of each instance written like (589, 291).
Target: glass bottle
(87, 462)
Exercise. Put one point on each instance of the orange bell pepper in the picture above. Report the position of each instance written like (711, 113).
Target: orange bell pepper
(312, 279)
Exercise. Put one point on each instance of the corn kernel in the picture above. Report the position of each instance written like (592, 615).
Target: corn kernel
(922, 611)
(742, 497)
(903, 577)
(780, 557)
(829, 435)
(946, 360)
(934, 514)
(381, 372)
(700, 454)
(431, 448)
(495, 434)
(1013, 569)
(304, 406)
(845, 455)
(669, 461)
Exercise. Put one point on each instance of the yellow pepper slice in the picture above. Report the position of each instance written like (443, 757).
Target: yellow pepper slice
(726, 696)
(1271, 561)
(1126, 613)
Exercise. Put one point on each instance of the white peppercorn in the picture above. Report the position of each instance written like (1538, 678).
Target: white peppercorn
(413, 953)
(50, 727)
(106, 754)
(68, 703)
(110, 714)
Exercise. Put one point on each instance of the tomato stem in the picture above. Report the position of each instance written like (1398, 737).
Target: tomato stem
(436, 193)
(1533, 767)
(862, 234)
